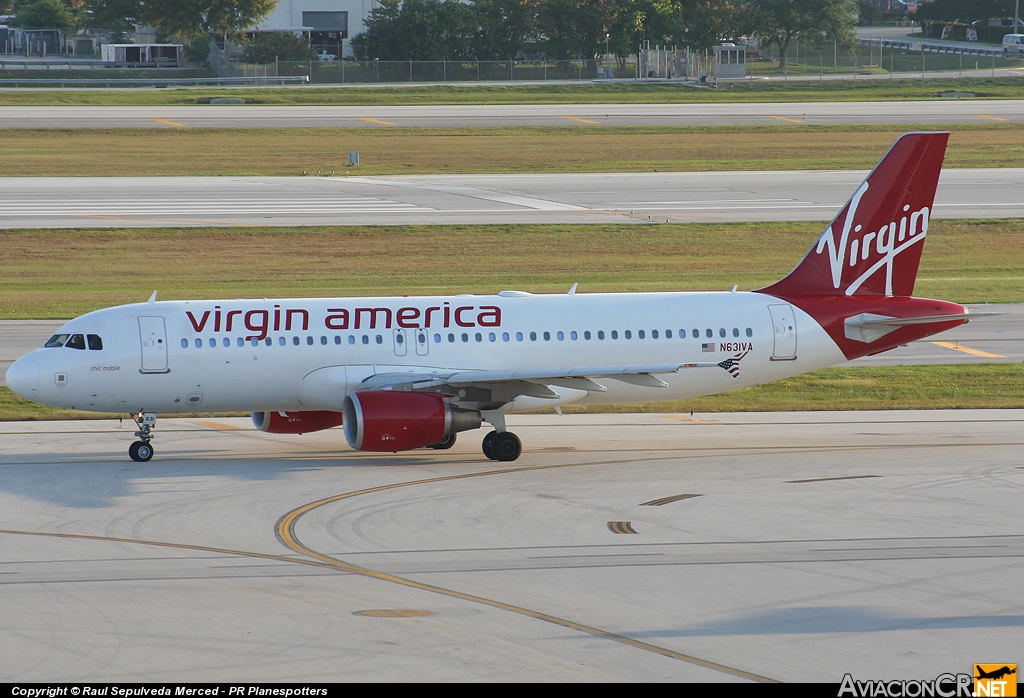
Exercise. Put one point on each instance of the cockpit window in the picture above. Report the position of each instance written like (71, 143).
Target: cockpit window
(95, 343)
(56, 340)
(76, 341)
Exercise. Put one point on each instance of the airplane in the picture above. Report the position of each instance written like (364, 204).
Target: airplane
(405, 373)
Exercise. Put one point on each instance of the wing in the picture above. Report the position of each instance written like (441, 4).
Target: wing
(500, 387)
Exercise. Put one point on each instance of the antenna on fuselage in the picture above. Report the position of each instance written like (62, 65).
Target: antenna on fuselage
(152, 299)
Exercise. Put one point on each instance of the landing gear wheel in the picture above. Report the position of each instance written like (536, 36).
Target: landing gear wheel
(445, 443)
(486, 445)
(140, 451)
(506, 446)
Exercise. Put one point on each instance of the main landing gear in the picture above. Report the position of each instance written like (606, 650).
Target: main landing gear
(503, 446)
(500, 444)
(142, 451)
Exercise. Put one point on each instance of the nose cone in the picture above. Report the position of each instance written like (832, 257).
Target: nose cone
(23, 377)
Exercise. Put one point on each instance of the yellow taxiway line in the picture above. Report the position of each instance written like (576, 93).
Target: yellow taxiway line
(955, 346)
(582, 121)
(169, 123)
(786, 118)
(993, 118)
(371, 120)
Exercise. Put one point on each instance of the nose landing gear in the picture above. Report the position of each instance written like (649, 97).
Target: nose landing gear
(142, 451)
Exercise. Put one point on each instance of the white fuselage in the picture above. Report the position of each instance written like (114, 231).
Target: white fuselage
(252, 355)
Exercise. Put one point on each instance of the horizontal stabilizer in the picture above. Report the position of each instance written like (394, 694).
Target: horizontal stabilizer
(867, 327)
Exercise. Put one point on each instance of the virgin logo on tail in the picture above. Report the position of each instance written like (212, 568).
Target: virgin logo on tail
(872, 248)
(865, 248)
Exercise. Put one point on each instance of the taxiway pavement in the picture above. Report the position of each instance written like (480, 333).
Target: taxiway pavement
(939, 111)
(678, 197)
(731, 547)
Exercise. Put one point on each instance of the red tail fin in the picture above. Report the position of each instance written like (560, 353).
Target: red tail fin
(873, 246)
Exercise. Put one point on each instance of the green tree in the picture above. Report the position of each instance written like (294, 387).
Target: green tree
(575, 27)
(965, 11)
(417, 30)
(268, 47)
(506, 28)
(44, 13)
(779, 22)
(117, 16)
(189, 18)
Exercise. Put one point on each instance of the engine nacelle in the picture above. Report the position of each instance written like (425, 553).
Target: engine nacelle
(381, 420)
(295, 422)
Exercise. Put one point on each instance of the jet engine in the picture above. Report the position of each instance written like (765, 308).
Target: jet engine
(398, 421)
(295, 422)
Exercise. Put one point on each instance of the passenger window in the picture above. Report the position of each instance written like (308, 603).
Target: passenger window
(76, 341)
(58, 340)
(213, 343)
(574, 335)
(479, 337)
(226, 342)
(654, 334)
(533, 336)
(309, 341)
(268, 341)
(668, 334)
(627, 334)
(337, 339)
(750, 332)
(640, 334)
(560, 336)
(600, 334)
(241, 341)
(519, 336)
(184, 344)
(323, 340)
(547, 336)
(95, 343)
(366, 339)
(199, 343)
(465, 336)
(696, 334)
(586, 335)
(615, 334)
(380, 340)
(255, 341)
(709, 333)
(491, 337)
(504, 336)
(721, 332)
(351, 339)
(451, 338)
(735, 332)
(295, 341)
(437, 338)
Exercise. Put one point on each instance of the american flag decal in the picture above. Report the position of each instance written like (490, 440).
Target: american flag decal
(707, 346)
(732, 365)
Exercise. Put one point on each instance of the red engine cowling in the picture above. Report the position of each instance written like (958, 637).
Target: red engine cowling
(295, 422)
(398, 421)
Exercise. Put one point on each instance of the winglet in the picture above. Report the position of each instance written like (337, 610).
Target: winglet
(152, 299)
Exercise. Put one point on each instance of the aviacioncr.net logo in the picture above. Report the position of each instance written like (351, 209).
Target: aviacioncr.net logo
(942, 686)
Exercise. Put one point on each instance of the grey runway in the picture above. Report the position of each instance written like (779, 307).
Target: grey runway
(939, 111)
(993, 339)
(679, 197)
(729, 547)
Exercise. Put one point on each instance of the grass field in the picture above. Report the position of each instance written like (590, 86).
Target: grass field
(63, 273)
(184, 151)
(582, 93)
(860, 388)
